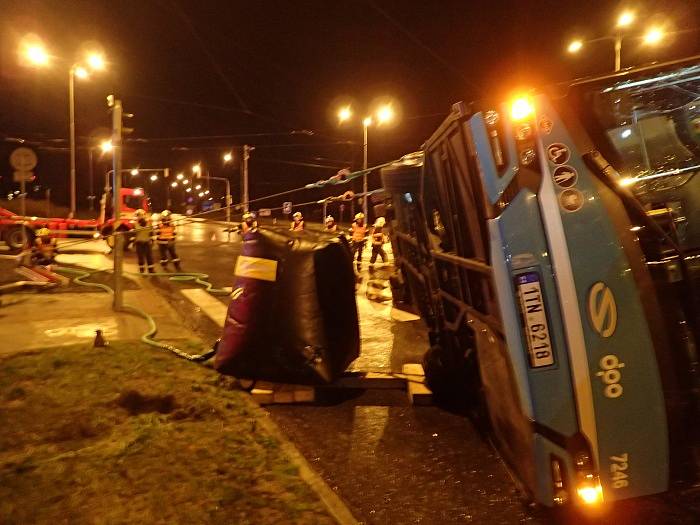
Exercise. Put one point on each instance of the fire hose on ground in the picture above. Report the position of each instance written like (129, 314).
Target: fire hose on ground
(147, 338)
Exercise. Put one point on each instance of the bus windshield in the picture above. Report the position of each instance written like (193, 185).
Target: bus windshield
(652, 124)
(648, 128)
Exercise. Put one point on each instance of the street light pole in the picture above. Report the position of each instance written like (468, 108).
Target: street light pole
(244, 186)
(117, 303)
(618, 52)
(365, 124)
(71, 118)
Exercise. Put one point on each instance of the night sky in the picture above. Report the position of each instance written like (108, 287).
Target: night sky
(272, 73)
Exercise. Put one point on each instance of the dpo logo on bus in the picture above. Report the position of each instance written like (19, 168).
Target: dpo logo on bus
(602, 313)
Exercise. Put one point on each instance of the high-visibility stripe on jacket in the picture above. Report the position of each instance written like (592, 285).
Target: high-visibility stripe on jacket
(166, 233)
(297, 226)
(358, 232)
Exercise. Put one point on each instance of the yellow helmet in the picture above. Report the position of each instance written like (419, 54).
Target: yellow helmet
(297, 215)
(359, 216)
(43, 232)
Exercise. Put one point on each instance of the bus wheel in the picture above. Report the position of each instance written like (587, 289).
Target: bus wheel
(448, 381)
(17, 236)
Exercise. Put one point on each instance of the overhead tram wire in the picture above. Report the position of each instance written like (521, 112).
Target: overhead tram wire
(418, 42)
(313, 185)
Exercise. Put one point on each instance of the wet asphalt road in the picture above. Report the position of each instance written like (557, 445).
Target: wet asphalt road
(393, 463)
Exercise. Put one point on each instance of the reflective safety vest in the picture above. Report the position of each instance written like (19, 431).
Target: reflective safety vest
(377, 237)
(166, 233)
(143, 233)
(358, 232)
(297, 226)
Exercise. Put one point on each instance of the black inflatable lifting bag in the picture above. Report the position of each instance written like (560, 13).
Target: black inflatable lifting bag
(302, 327)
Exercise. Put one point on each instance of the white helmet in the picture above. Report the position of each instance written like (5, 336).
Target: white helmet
(297, 215)
(330, 219)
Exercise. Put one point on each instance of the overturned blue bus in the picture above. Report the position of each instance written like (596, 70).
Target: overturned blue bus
(552, 245)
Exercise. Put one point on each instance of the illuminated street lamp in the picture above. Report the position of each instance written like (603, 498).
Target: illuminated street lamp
(653, 36)
(134, 172)
(198, 187)
(154, 178)
(188, 190)
(201, 194)
(186, 182)
(344, 114)
(180, 176)
(197, 169)
(173, 184)
(626, 19)
(35, 54)
(106, 146)
(383, 115)
(228, 156)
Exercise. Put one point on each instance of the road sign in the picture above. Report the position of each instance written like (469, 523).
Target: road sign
(287, 208)
(20, 176)
(264, 212)
(23, 159)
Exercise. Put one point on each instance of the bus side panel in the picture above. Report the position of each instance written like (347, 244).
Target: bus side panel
(627, 399)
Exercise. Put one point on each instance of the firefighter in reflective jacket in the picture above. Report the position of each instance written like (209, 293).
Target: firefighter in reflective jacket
(297, 222)
(143, 239)
(331, 226)
(358, 234)
(44, 248)
(378, 241)
(165, 236)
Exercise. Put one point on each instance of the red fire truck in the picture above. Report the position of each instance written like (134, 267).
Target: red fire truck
(16, 230)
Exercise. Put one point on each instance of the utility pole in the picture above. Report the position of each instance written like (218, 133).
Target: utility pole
(71, 119)
(244, 174)
(365, 125)
(118, 302)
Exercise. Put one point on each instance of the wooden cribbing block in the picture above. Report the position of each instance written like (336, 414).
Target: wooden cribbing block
(370, 380)
(266, 393)
(418, 392)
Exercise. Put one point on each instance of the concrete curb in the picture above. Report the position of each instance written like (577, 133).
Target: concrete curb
(335, 505)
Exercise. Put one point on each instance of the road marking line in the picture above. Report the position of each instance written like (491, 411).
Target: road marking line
(214, 308)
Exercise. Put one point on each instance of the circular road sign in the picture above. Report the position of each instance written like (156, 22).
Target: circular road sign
(23, 159)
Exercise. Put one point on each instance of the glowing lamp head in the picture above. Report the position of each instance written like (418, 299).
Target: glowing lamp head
(344, 114)
(106, 146)
(521, 109)
(228, 157)
(36, 54)
(180, 176)
(575, 46)
(135, 171)
(173, 184)
(197, 169)
(138, 192)
(81, 72)
(154, 178)
(625, 19)
(653, 36)
(385, 114)
(367, 121)
(96, 61)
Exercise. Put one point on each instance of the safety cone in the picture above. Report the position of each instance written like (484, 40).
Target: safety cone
(99, 340)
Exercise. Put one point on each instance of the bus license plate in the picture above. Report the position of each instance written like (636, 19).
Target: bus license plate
(535, 317)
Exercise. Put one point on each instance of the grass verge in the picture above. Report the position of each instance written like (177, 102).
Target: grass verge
(126, 434)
